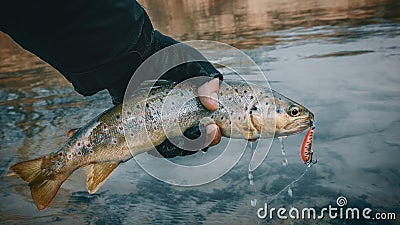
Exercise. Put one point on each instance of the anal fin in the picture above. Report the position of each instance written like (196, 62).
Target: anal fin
(97, 174)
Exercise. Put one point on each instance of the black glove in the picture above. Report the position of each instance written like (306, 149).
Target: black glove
(169, 150)
(100, 47)
(176, 74)
(185, 53)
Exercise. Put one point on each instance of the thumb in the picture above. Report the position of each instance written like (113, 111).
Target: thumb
(208, 94)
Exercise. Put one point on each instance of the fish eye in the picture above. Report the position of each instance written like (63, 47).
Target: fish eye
(294, 111)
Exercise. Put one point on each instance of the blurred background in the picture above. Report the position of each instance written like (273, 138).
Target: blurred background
(340, 59)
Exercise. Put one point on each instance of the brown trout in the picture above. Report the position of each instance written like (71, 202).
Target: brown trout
(246, 111)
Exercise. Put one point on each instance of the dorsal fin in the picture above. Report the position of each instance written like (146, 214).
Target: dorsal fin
(97, 174)
(155, 83)
(71, 132)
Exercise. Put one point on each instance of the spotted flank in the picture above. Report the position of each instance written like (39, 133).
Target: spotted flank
(120, 128)
(79, 145)
(114, 141)
(79, 153)
(306, 148)
(70, 155)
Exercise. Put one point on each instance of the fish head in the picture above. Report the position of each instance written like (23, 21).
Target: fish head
(274, 115)
(290, 117)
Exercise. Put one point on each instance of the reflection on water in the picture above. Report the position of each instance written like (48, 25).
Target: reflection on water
(249, 24)
(339, 58)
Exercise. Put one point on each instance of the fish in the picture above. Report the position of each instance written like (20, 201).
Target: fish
(306, 151)
(149, 118)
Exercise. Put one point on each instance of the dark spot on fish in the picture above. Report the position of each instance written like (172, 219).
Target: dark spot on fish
(129, 113)
(280, 98)
(60, 154)
(266, 103)
(222, 117)
(236, 90)
(117, 116)
(278, 110)
(251, 97)
(138, 106)
(88, 145)
(230, 98)
(251, 112)
(147, 105)
(212, 117)
(230, 122)
(245, 91)
(245, 108)
(226, 89)
(254, 108)
(239, 118)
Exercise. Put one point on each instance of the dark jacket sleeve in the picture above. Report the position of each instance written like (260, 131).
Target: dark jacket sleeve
(92, 43)
(95, 44)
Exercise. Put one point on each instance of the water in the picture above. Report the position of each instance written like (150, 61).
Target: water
(338, 58)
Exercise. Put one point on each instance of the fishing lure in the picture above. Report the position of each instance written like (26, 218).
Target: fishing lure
(306, 148)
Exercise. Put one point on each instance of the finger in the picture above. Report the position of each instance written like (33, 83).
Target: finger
(208, 94)
(213, 134)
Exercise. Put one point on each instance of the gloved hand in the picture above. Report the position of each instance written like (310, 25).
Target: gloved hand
(207, 88)
(101, 46)
(207, 92)
(183, 53)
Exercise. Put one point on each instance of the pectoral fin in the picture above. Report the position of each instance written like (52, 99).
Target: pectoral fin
(246, 128)
(97, 174)
(247, 132)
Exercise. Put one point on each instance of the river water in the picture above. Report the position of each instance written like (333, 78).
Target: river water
(341, 59)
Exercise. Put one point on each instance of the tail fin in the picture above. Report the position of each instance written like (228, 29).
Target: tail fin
(43, 183)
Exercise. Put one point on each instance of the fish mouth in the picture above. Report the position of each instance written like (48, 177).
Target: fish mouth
(299, 125)
(311, 119)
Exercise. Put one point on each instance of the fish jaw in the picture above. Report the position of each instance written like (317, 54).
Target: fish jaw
(291, 117)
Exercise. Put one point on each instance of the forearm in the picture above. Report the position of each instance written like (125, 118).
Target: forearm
(96, 45)
(92, 43)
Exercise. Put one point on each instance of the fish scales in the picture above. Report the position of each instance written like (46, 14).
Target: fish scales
(246, 111)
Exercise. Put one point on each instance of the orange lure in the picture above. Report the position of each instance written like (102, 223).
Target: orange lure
(306, 148)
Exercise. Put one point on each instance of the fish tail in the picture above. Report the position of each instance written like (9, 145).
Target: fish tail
(44, 183)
